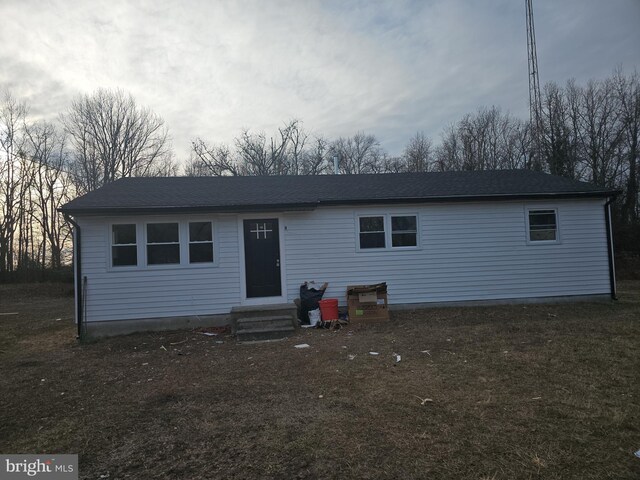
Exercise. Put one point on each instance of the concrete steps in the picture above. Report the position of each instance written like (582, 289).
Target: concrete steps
(264, 322)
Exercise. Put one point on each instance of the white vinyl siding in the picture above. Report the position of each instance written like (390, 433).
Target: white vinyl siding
(466, 251)
(119, 293)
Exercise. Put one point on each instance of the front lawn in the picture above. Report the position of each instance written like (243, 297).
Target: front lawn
(535, 391)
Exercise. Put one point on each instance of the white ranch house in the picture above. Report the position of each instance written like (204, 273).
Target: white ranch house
(156, 253)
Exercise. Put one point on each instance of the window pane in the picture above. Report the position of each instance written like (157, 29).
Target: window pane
(200, 232)
(372, 224)
(406, 223)
(201, 253)
(162, 254)
(537, 235)
(542, 225)
(542, 218)
(372, 240)
(403, 240)
(162, 232)
(121, 256)
(123, 234)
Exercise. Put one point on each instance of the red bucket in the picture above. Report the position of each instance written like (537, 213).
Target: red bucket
(329, 309)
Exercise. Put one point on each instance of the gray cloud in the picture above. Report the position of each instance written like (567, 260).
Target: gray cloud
(389, 68)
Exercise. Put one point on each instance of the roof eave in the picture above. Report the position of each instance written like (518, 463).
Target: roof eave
(160, 210)
(197, 209)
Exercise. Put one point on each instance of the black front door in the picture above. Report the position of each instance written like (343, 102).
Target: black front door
(262, 257)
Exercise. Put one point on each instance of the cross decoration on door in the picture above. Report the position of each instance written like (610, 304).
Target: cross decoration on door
(261, 228)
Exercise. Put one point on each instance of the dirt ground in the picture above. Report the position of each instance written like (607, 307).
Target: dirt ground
(535, 391)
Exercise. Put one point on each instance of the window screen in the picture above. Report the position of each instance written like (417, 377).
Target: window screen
(372, 232)
(124, 250)
(542, 225)
(404, 231)
(200, 242)
(163, 243)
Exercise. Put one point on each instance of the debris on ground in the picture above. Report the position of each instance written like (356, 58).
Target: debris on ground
(398, 357)
(209, 334)
(178, 343)
(424, 400)
(374, 353)
(302, 345)
(637, 454)
(163, 348)
(224, 330)
(536, 398)
(426, 351)
(8, 313)
(351, 357)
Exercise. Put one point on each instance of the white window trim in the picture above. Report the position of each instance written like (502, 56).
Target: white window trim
(198, 242)
(141, 244)
(110, 246)
(180, 244)
(527, 232)
(384, 226)
(387, 231)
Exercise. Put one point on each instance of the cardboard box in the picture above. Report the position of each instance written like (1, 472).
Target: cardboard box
(367, 303)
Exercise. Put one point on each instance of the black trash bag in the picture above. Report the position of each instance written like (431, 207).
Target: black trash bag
(309, 298)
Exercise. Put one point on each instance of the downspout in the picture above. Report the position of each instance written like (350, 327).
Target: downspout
(77, 261)
(609, 229)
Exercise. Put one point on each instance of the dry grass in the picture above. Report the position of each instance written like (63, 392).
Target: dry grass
(536, 391)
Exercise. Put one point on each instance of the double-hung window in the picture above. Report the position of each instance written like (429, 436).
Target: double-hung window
(200, 242)
(543, 225)
(404, 231)
(372, 234)
(387, 231)
(163, 243)
(124, 248)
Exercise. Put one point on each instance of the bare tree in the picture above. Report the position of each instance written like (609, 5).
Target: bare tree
(112, 137)
(486, 140)
(12, 180)
(391, 164)
(52, 187)
(288, 152)
(596, 121)
(358, 154)
(259, 156)
(418, 154)
(628, 92)
(557, 137)
(315, 158)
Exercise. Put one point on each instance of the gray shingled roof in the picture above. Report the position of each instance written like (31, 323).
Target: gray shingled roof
(185, 194)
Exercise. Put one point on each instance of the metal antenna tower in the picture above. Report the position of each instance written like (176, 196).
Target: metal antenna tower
(535, 103)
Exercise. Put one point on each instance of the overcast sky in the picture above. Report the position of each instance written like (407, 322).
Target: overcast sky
(212, 67)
